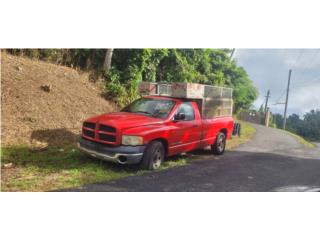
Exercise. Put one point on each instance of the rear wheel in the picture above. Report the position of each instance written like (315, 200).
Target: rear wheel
(220, 144)
(153, 156)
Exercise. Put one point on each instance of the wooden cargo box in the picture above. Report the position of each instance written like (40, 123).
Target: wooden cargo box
(187, 90)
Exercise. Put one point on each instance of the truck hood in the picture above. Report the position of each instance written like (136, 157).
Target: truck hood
(124, 120)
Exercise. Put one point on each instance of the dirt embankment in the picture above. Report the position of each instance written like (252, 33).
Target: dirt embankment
(44, 103)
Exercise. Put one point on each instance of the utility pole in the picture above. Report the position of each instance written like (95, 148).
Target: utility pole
(286, 104)
(267, 118)
(267, 98)
(266, 110)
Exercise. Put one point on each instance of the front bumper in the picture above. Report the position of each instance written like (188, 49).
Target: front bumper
(117, 154)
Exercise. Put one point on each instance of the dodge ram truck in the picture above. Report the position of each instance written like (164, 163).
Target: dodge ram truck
(154, 127)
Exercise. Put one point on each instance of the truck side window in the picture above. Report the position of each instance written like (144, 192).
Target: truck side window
(188, 111)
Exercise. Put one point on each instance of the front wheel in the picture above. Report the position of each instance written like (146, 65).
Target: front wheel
(153, 156)
(220, 144)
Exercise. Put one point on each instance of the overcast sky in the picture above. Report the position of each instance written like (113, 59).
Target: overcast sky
(269, 68)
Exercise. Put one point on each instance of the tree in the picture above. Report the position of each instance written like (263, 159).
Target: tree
(310, 127)
(107, 60)
(130, 66)
(307, 127)
(278, 120)
(206, 66)
(261, 109)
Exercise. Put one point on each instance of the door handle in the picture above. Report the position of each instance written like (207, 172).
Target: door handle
(194, 125)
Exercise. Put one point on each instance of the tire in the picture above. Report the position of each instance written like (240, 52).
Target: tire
(153, 156)
(220, 144)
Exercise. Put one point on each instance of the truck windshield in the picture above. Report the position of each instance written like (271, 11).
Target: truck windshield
(158, 108)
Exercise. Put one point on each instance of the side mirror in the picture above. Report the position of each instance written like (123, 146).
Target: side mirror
(179, 117)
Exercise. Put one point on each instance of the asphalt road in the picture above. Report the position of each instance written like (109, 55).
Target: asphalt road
(272, 161)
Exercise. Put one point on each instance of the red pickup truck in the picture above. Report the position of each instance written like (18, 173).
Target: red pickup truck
(152, 128)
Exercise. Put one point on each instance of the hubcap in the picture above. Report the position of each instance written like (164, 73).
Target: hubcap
(157, 159)
(221, 143)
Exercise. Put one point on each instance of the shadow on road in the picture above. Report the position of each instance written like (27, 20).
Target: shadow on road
(235, 171)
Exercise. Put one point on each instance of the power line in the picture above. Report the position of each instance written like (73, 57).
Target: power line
(282, 94)
(306, 67)
(294, 63)
(313, 57)
(301, 51)
(313, 81)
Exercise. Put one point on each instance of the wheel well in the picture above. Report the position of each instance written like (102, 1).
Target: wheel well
(224, 130)
(164, 142)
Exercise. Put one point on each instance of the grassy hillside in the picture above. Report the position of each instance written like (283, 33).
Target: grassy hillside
(31, 115)
(40, 128)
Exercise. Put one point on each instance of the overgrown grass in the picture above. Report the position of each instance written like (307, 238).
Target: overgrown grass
(247, 132)
(302, 140)
(58, 168)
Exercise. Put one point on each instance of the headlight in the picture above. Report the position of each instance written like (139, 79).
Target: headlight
(132, 140)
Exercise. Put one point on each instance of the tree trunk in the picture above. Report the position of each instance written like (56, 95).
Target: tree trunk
(107, 60)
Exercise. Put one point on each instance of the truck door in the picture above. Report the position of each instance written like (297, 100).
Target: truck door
(187, 132)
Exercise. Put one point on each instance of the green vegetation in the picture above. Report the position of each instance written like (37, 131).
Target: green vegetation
(206, 66)
(307, 127)
(302, 140)
(130, 66)
(247, 133)
(58, 168)
(27, 169)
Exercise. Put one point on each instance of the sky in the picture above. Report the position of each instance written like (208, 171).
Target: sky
(269, 70)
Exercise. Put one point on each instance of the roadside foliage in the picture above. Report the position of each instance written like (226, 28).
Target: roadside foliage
(130, 66)
(40, 152)
(308, 126)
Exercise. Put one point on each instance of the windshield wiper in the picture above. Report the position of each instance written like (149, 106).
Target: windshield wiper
(144, 112)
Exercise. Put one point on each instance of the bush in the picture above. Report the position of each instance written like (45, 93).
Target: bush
(206, 66)
(130, 66)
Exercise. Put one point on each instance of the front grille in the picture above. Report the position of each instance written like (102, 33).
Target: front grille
(106, 128)
(107, 133)
(89, 125)
(99, 143)
(88, 133)
(107, 137)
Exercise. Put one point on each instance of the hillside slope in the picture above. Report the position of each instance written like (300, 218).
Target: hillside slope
(31, 115)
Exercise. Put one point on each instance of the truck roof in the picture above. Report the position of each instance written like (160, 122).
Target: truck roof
(169, 98)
